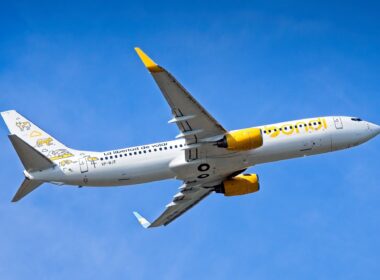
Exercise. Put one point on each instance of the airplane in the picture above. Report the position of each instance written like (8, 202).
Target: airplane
(205, 156)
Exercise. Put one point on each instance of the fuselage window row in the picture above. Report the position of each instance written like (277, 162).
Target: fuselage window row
(291, 127)
(145, 151)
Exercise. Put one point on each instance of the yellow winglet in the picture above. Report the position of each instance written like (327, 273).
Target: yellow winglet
(148, 62)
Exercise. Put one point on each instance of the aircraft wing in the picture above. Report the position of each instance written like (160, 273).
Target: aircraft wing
(194, 122)
(188, 196)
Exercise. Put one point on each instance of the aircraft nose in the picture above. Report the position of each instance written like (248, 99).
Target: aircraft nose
(375, 129)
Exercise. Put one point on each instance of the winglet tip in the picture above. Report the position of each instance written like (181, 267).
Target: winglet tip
(148, 62)
(143, 222)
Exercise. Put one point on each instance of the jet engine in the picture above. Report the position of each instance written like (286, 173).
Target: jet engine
(242, 140)
(239, 185)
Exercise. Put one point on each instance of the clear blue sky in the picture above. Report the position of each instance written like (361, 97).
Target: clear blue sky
(71, 69)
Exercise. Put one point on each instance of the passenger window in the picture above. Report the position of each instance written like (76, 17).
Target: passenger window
(101, 158)
(106, 158)
(160, 149)
(135, 153)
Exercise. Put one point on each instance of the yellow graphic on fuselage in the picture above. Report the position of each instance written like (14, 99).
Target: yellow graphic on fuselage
(295, 128)
(44, 141)
(35, 133)
(89, 158)
(59, 154)
(65, 162)
(23, 125)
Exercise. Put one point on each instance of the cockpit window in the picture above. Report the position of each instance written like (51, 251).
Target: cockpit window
(356, 119)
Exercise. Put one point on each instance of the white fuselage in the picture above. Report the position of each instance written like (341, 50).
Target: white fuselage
(159, 161)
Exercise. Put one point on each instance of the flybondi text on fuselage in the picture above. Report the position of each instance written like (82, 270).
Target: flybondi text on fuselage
(296, 128)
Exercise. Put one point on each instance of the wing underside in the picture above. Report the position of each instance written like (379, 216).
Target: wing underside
(184, 200)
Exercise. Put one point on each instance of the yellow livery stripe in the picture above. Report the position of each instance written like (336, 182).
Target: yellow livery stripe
(148, 62)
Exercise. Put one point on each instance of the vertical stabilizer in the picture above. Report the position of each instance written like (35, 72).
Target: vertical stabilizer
(35, 137)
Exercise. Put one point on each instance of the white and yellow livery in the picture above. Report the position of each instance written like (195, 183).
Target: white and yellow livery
(205, 156)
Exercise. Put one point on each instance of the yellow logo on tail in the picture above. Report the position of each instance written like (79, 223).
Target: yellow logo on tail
(23, 125)
(35, 133)
(44, 141)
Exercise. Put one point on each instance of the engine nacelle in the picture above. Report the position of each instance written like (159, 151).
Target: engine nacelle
(239, 185)
(242, 140)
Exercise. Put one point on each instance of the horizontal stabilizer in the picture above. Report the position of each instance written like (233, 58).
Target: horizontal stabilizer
(26, 187)
(32, 159)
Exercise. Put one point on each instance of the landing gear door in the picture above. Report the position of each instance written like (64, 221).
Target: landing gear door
(83, 165)
(338, 122)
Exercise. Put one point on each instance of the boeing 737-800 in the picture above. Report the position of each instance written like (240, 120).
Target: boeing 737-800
(205, 156)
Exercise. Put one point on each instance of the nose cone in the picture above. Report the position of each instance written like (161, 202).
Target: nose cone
(375, 129)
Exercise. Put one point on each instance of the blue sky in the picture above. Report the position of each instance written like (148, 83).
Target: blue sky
(71, 68)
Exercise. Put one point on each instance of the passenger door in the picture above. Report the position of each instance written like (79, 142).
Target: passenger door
(83, 165)
(338, 122)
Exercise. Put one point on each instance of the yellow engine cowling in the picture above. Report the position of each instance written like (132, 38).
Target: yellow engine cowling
(242, 140)
(239, 185)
